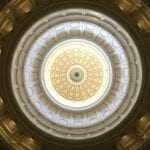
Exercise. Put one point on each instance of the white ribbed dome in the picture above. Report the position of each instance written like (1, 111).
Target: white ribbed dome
(75, 74)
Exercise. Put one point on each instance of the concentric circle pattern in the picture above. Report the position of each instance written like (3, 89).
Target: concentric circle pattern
(76, 75)
(81, 58)
(76, 62)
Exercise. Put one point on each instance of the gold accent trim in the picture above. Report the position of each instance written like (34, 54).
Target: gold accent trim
(127, 140)
(130, 141)
(144, 122)
(24, 7)
(29, 143)
(9, 130)
(21, 6)
(6, 24)
(1, 105)
(10, 125)
(14, 136)
(144, 125)
(143, 20)
(129, 5)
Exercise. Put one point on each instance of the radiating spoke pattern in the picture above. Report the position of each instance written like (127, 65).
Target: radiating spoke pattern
(49, 59)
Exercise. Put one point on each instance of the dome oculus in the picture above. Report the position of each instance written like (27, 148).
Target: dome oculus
(76, 73)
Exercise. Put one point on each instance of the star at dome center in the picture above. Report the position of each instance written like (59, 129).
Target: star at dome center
(76, 72)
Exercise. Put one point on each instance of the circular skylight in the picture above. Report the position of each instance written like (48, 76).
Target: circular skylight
(76, 74)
